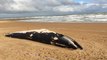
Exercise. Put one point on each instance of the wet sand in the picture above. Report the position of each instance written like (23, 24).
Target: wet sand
(91, 36)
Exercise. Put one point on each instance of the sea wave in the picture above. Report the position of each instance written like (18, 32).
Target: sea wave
(69, 18)
(65, 18)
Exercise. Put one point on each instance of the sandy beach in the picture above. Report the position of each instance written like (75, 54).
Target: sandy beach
(91, 36)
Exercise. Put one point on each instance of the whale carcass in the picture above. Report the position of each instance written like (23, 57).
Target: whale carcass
(46, 36)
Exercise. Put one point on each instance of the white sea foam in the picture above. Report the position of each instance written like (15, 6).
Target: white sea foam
(66, 18)
(69, 18)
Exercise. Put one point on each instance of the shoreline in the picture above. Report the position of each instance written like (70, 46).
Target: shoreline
(53, 22)
(28, 20)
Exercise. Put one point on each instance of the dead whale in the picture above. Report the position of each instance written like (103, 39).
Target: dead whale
(46, 36)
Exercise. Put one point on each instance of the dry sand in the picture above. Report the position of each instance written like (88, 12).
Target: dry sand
(91, 36)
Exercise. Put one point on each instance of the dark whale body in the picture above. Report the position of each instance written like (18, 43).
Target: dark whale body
(49, 38)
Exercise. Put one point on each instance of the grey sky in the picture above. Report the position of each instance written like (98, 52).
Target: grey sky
(50, 6)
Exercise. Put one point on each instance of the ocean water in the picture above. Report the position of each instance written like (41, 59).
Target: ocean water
(69, 18)
(66, 18)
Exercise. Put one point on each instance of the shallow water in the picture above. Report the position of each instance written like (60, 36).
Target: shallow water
(67, 18)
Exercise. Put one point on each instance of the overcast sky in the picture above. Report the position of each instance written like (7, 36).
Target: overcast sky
(53, 6)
